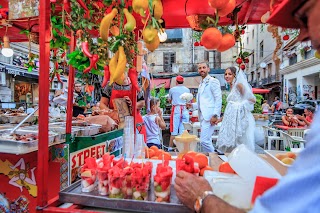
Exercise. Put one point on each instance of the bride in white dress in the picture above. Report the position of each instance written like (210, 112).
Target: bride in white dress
(238, 123)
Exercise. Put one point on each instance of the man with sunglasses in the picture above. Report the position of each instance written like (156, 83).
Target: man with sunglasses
(299, 190)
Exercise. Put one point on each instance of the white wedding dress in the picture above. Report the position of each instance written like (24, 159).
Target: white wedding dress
(238, 123)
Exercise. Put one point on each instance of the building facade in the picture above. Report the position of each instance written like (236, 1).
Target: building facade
(262, 70)
(301, 72)
(180, 54)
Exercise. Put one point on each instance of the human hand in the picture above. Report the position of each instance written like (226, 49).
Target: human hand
(189, 105)
(218, 121)
(213, 120)
(128, 100)
(300, 117)
(189, 187)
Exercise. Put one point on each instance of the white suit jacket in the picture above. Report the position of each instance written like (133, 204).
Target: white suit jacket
(209, 99)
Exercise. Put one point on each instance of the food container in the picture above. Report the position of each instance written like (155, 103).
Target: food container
(88, 180)
(103, 187)
(249, 165)
(184, 147)
(15, 119)
(275, 154)
(89, 130)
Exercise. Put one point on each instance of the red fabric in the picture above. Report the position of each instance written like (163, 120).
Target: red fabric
(309, 119)
(171, 116)
(283, 127)
(282, 14)
(120, 94)
(260, 91)
(261, 185)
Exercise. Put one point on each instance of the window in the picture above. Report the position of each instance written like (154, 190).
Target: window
(261, 49)
(309, 54)
(252, 76)
(252, 35)
(174, 35)
(248, 40)
(169, 58)
(252, 59)
(293, 59)
(258, 76)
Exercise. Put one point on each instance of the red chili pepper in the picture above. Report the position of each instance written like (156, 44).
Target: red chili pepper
(133, 75)
(63, 54)
(93, 63)
(84, 6)
(67, 7)
(56, 64)
(85, 49)
(88, 69)
(106, 76)
(52, 77)
(95, 58)
(58, 77)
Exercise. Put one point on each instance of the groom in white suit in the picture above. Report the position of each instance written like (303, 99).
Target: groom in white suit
(209, 101)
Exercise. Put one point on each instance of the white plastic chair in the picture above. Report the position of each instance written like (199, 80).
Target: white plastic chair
(270, 135)
(297, 133)
(290, 141)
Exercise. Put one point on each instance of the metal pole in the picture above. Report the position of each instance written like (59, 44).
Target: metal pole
(43, 151)
(70, 91)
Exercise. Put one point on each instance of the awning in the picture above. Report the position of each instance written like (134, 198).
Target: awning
(190, 82)
(160, 82)
(260, 91)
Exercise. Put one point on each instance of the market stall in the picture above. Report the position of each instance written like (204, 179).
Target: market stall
(177, 14)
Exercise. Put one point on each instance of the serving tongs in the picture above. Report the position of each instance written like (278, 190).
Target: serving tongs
(24, 120)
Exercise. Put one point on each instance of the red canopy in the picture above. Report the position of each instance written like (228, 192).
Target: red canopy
(260, 91)
(175, 13)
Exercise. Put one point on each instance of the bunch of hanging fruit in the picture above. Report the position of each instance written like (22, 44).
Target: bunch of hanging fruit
(212, 38)
(151, 12)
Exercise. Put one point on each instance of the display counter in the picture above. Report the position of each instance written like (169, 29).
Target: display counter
(18, 166)
(89, 202)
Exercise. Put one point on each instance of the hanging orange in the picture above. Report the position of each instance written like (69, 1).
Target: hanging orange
(211, 38)
(227, 9)
(218, 4)
(227, 42)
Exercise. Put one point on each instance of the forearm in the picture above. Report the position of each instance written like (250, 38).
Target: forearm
(140, 104)
(104, 103)
(214, 204)
(162, 124)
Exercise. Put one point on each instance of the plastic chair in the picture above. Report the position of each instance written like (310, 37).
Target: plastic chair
(290, 141)
(296, 133)
(270, 135)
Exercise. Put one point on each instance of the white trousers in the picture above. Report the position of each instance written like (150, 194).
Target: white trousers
(207, 131)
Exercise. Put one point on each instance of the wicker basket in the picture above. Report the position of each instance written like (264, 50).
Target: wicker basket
(196, 20)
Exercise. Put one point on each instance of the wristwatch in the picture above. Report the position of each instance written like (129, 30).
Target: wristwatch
(199, 201)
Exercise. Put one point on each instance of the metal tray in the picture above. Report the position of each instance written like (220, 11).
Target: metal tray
(73, 194)
(31, 143)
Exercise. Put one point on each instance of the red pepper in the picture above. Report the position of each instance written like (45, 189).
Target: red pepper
(52, 77)
(56, 65)
(84, 6)
(106, 76)
(133, 75)
(95, 58)
(93, 63)
(63, 54)
(58, 77)
(85, 49)
(88, 69)
(67, 7)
